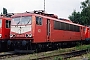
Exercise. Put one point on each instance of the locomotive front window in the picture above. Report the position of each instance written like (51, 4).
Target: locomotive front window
(0, 23)
(26, 20)
(22, 20)
(8, 24)
(15, 21)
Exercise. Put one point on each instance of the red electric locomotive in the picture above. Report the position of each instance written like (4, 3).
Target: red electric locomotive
(41, 30)
(5, 24)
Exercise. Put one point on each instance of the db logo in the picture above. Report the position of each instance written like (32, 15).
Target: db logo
(39, 30)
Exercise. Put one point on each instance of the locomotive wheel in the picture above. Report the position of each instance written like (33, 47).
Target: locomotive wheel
(38, 47)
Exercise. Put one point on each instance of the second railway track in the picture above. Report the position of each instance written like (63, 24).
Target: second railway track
(64, 56)
(40, 56)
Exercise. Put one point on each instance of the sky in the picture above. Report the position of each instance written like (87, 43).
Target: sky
(62, 8)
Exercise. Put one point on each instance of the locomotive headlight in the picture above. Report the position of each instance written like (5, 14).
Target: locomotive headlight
(11, 35)
(28, 35)
(0, 35)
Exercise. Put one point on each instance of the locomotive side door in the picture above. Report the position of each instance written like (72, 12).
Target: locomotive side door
(48, 30)
(6, 23)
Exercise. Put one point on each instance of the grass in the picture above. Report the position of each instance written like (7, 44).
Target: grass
(78, 47)
(82, 47)
(58, 58)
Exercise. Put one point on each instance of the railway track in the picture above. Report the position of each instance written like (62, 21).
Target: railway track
(5, 54)
(16, 53)
(40, 56)
(63, 56)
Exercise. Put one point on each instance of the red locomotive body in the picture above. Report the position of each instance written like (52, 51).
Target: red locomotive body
(30, 30)
(5, 24)
(87, 33)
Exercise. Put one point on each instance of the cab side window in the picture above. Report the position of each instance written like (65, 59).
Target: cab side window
(8, 23)
(38, 20)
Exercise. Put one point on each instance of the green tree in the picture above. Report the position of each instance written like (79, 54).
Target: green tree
(85, 13)
(82, 17)
(75, 17)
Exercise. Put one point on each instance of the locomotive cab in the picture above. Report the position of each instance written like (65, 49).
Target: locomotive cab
(21, 30)
(5, 24)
